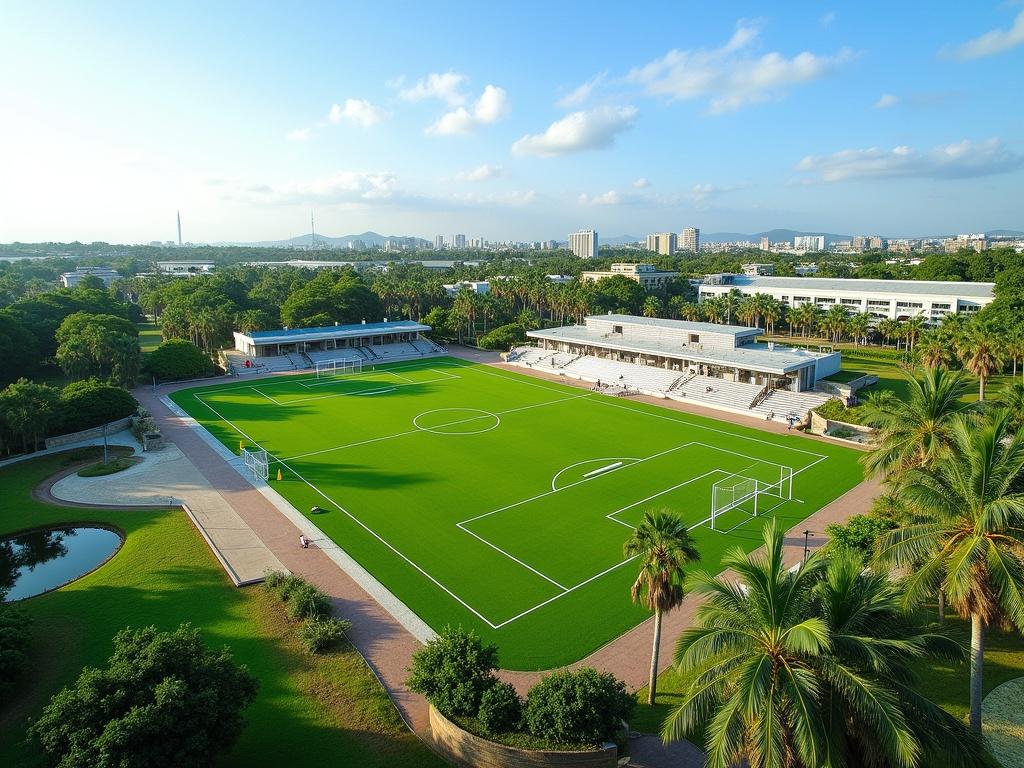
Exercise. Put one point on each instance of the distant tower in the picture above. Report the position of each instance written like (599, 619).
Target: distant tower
(312, 230)
(179, 229)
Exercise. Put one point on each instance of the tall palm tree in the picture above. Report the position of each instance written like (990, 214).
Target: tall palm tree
(1011, 399)
(652, 306)
(970, 545)
(809, 668)
(859, 326)
(913, 329)
(982, 355)
(663, 545)
(915, 429)
(934, 350)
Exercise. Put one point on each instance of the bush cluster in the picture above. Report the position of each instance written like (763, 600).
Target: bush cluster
(455, 671)
(320, 631)
(15, 635)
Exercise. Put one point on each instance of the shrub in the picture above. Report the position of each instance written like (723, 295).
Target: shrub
(321, 634)
(272, 579)
(501, 709)
(15, 635)
(453, 670)
(163, 699)
(858, 535)
(178, 359)
(307, 602)
(581, 706)
(90, 403)
(503, 337)
(843, 433)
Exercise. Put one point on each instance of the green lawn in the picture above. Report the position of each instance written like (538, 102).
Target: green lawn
(150, 336)
(329, 709)
(500, 502)
(945, 684)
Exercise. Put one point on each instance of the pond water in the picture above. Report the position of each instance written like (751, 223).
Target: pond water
(38, 561)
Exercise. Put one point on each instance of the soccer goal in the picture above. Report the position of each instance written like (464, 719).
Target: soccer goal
(257, 462)
(331, 368)
(751, 495)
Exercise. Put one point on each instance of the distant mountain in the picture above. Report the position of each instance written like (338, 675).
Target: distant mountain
(619, 240)
(1004, 233)
(773, 235)
(370, 240)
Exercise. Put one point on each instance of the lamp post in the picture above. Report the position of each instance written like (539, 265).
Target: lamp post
(807, 548)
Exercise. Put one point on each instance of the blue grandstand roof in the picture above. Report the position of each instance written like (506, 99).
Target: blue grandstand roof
(285, 335)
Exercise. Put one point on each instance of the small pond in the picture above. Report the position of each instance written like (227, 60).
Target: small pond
(38, 561)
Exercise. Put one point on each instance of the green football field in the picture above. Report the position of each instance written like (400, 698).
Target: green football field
(501, 502)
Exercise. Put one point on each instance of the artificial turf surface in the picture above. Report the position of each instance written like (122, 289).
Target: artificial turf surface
(463, 489)
(325, 710)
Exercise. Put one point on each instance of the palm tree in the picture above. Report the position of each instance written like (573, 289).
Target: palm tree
(982, 355)
(913, 329)
(1011, 399)
(972, 541)
(808, 668)
(652, 306)
(859, 326)
(663, 545)
(914, 430)
(934, 350)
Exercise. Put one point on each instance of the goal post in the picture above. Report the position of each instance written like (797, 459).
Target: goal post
(331, 368)
(751, 494)
(257, 462)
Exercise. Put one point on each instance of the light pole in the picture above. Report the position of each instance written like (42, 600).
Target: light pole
(807, 538)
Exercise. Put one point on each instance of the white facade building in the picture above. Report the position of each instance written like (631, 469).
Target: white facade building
(584, 243)
(808, 243)
(648, 275)
(689, 240)
(106, 274)
(184, 268)
(882, 299)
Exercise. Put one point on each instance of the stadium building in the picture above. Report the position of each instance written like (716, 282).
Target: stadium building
(729, 353)
(882, 299)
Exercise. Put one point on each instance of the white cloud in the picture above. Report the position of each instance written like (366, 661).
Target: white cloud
(703, 193)
(578, 131)
(611, 197)
(728, 76)
(963, 160)
(299, 134)
(993, 42)
(581, 93)
(481, 173)
(886, 100)
(342, 187)
(357, 111)
(489, 108)
(447, 87)
(641, 183)
(827, 18)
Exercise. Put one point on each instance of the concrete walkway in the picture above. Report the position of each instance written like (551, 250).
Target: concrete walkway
(167, 478)
(381, 639)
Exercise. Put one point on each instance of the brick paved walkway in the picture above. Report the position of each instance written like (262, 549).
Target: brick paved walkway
(385, 644)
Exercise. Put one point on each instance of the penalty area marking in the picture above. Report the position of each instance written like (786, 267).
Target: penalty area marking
(482, 414)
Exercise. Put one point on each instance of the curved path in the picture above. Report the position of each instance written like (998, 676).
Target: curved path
(1003, 722)
(383, 642)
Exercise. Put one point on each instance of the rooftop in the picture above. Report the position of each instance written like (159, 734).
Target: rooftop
(758, 356)
(678, 325)
(333, 331)
(927, 287)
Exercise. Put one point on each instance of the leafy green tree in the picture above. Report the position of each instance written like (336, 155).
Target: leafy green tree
(453, 670)
(163, 699)
(858, 535)
(810, 668)
(18, 349)
(27, 409)
(581, 706)
(177, 359)
(503, 337)
(982, 354)
(618, 294)
(15, 637)
(663, 546)
(971, 540)
(90, 403)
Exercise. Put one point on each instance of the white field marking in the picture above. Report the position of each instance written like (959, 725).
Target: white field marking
(611, 515)
(554, 480)
(374, 392)
(363, 392)
(415, 431)
(527, 566)
(261, 392)
(359, 522)
(436, 430)
(348, 378)
(570, 485)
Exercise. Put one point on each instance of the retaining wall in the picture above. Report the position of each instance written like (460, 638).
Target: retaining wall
(462, 748)
(89, 434)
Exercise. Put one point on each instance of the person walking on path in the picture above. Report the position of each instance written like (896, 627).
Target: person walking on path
(303, 541)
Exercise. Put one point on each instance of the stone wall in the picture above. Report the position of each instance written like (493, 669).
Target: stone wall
(462, 748)
(822, 426)
(89, 434)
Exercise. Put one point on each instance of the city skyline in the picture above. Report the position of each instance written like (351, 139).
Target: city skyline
(726, 119)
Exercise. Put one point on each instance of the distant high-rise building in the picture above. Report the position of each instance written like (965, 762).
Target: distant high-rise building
(876, 243)
(765, 245)
(584, 243)
(179, 228)
(662, 243)
(860, 242)
(809, 243)
(438, 242)
(689, 239)
(459, 241)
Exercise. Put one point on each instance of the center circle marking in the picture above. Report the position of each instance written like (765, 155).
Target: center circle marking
(459, 416)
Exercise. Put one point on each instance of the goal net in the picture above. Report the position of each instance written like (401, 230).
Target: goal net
(257, 462)
(329, 368)
(751, 496)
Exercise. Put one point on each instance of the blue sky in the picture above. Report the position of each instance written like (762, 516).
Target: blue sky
(521, 121)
